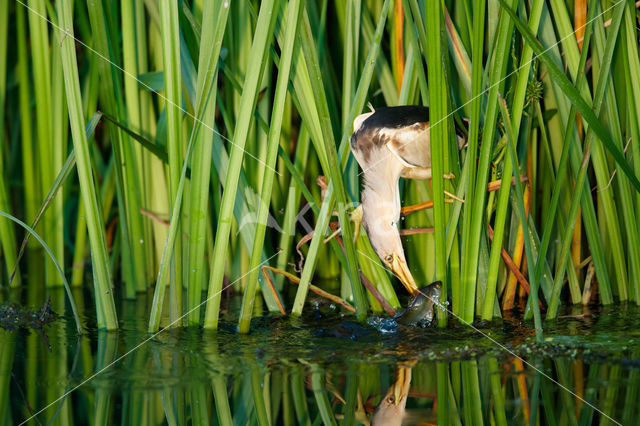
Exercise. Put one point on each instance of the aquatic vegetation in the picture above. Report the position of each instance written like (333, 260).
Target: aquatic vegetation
(198, 132)
(325, 368)
(13, 316)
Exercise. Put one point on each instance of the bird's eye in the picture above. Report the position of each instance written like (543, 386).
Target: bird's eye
(388, 258)
(391, 400)
(393, 223)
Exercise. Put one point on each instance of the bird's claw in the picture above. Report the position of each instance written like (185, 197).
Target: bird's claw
(356, 218)
(335, 234)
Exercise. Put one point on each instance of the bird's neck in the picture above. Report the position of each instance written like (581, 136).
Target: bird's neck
(382, 194)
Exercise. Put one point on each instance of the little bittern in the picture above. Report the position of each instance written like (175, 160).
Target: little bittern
(390, 143)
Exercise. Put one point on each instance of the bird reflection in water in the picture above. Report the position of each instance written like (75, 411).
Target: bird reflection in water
(392, 407)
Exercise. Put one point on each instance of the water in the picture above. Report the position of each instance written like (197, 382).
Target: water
(324, 368)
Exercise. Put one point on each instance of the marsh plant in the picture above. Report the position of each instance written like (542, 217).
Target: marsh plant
(173, 147)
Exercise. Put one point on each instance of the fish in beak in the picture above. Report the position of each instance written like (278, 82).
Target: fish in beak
(421, 308)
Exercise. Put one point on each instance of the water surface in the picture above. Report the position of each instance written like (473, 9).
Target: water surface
(323, 368)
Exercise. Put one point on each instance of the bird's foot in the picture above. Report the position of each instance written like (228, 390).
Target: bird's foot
(333, 235)
(355, 217)
(453, 196)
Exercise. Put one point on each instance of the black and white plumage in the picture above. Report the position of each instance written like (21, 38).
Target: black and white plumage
(390, 143)
(392, 130)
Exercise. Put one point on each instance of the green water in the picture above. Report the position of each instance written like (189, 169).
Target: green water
(316, 369)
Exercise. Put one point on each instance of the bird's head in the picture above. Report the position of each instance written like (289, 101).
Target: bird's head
(397, 263)
(391, 408)
(381, 221)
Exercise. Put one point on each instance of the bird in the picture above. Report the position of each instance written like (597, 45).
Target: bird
(389, 143)
(391, 409)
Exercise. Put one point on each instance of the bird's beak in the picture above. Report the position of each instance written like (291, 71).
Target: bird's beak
(402, 385)
(401, 269)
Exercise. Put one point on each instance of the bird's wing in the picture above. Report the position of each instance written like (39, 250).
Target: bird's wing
(409, 144)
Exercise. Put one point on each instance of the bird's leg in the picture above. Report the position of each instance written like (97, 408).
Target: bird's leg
(333, 235)
(356, 218)
(422, 173)
(453, 196)
(491, 186)
(421, 206)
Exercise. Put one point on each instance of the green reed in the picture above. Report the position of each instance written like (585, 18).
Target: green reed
(7, 234)
(105, 307)
(215, 23)
(293, 17)
(265, 115)
(49, 108)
